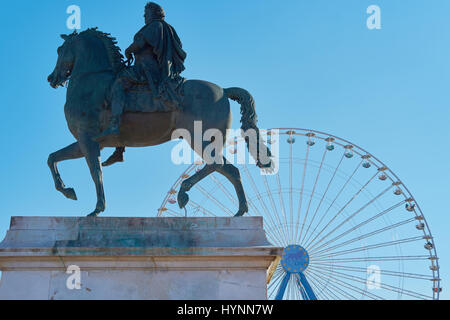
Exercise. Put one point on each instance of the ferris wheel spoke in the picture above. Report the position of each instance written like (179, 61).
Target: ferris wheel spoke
(283, 285)
(332, 287)
(303, 282)
(329, 285)
(201, 208)
(289, 295)
(277, 277)
(273, 238)
(321, 200)
(313, 242)
(274, 208)
(300, 201)
(369, 247)
(382, 272)
(349, 217)
(275, 235)
(294, 293)
(279, 268)
(312, 194)
(382, 285)
(298, 291)
(273, 286)
(210, 196)
(371, 259)
(278, 274)
(272, 229)
(195, 208)
(322, 294)
(291, 206)
(307, 242)
(382, 213)
(273, 225)
(302, 292)
(340, 282)
(172, 212)
(282, 205)
(365, 236)
(224, 189)
(257, 193)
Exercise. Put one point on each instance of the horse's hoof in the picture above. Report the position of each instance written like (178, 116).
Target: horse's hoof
(70, 193)
(183, 199)
(241, 211)
(94, 214)
(101, 206)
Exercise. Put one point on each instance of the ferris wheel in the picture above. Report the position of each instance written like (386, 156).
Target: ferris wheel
(349, 227)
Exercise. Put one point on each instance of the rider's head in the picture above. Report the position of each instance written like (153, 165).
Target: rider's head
(153, 11)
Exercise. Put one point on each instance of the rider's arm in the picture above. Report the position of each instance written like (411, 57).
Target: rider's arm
(149, 35)
(135, 46)
(138, 43)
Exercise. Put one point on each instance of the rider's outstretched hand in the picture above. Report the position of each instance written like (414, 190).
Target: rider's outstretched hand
(129, 56)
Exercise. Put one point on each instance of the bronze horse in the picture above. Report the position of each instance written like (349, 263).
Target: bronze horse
(91, 60)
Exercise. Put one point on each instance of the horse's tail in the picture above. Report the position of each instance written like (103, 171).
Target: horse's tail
(259, 152)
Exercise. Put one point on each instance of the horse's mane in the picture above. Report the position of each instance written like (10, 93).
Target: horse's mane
(110, 43)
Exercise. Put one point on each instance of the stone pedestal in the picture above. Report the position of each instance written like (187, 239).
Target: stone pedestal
(135, 258)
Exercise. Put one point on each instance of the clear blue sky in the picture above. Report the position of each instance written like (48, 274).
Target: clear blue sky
(309, 64)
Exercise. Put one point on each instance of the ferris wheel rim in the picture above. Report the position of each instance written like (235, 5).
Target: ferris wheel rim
(291, 131)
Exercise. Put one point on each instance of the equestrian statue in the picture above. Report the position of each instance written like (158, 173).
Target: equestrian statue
(141, 102)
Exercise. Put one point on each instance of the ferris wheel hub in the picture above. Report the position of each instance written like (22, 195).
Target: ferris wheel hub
(295, 259)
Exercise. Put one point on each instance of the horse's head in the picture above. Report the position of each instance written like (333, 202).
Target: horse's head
(65, 62)
(89, 51)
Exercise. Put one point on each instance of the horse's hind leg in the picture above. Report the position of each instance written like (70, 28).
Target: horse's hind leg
(229, 171)
(187, 184)
(68, 153)
(232, 174)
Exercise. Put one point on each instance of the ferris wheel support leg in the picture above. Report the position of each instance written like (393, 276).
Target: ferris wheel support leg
(305, 284)
(283, 286)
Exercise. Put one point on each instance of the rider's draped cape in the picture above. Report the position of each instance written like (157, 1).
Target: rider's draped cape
(170, 57)
(167, 48)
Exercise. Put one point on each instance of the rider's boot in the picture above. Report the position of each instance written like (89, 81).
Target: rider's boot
(117, 156)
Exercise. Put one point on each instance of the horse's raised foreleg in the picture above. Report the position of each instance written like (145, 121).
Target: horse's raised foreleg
(91, 150)
(232, 174)
(68, 153)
